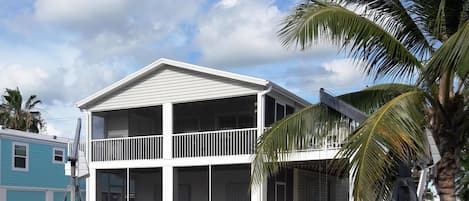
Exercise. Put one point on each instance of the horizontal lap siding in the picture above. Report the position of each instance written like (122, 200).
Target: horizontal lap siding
(25, 196)
(173, 85)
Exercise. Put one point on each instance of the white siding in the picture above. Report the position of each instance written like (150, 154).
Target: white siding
(174, 85)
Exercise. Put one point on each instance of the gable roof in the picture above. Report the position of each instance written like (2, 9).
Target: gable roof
(177, 64)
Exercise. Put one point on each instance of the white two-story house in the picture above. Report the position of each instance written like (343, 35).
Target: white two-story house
(174, 131)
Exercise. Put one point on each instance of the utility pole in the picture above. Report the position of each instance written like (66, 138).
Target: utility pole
(73, 158)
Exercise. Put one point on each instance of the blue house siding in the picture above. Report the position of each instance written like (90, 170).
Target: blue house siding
(42, 171)
(59, 196)
(25, 196)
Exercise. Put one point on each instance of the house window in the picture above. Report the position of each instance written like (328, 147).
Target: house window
(20, 156)
(58, 155)
(280, 112)
(289, 110)
(269, 111)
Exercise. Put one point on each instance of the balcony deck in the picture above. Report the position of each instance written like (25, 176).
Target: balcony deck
(218, 143)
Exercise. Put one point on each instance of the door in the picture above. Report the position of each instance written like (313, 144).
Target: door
(280, 191)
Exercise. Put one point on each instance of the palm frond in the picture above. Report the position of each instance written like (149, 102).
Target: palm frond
(372, 98)
(393, 133)
(301, 129)
(384, 55)
(31, 102)
(409, 33)
(452, 56)
(294, 132)
(439, 18)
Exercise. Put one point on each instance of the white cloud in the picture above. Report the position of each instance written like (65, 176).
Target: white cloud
(243, 32)
(338, 76)
(78, 11)
(111, 29)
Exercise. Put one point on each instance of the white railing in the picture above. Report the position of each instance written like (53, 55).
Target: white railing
(214, 143)
(127, 148)
(81, 147)
(332, 141)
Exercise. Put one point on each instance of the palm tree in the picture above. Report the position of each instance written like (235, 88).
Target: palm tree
(422, 42)
(16, 115)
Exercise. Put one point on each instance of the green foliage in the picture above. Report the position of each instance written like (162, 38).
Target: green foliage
(362, 38)
(424, 39)
(16, 115)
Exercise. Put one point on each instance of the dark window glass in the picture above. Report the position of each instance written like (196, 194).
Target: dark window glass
(280, 112)
(20, 162)
(58, 158)
(289, 110)
(187, 125)
(245, 121)
(227, 122)
(269, 110)
(98, 127)
(20, 150)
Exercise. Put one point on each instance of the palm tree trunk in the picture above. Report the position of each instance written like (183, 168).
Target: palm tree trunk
(447, 169)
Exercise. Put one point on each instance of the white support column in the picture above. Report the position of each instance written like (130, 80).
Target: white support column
(259, 191)
(49, 196)
(3, 194)
(260, 114)
(167, 130)
(168, 183)
(128, 184)
(350, 187)
(92, 188)
(89, 128)
(209, 182)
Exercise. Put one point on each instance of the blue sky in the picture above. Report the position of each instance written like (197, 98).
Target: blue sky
(64, 50)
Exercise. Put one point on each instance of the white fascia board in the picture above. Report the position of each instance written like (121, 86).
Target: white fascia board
(10, 133)
(162, 62)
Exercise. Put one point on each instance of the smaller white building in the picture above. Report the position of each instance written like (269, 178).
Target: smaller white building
(174, 131)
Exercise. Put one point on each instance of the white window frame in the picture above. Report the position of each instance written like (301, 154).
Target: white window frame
(63, 155)
(26, 168)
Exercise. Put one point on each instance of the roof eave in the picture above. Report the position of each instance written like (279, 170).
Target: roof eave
(289, 94)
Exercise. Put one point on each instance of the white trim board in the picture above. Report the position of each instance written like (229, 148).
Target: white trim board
(40, 189)
(32, 137)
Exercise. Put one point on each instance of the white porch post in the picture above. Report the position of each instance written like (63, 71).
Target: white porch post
(168, 173)
(209, 182)
(89, 126)
(259, 191)
(3, 194)
(49, 196)
(92, 188)
(350, 187)
(167, 130)
(168, 183)
(260, 114)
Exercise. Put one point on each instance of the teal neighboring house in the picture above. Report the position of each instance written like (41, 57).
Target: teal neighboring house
(32, 166)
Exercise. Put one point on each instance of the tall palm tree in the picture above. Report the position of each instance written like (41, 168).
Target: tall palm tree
(422, 42)
(16, 115)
